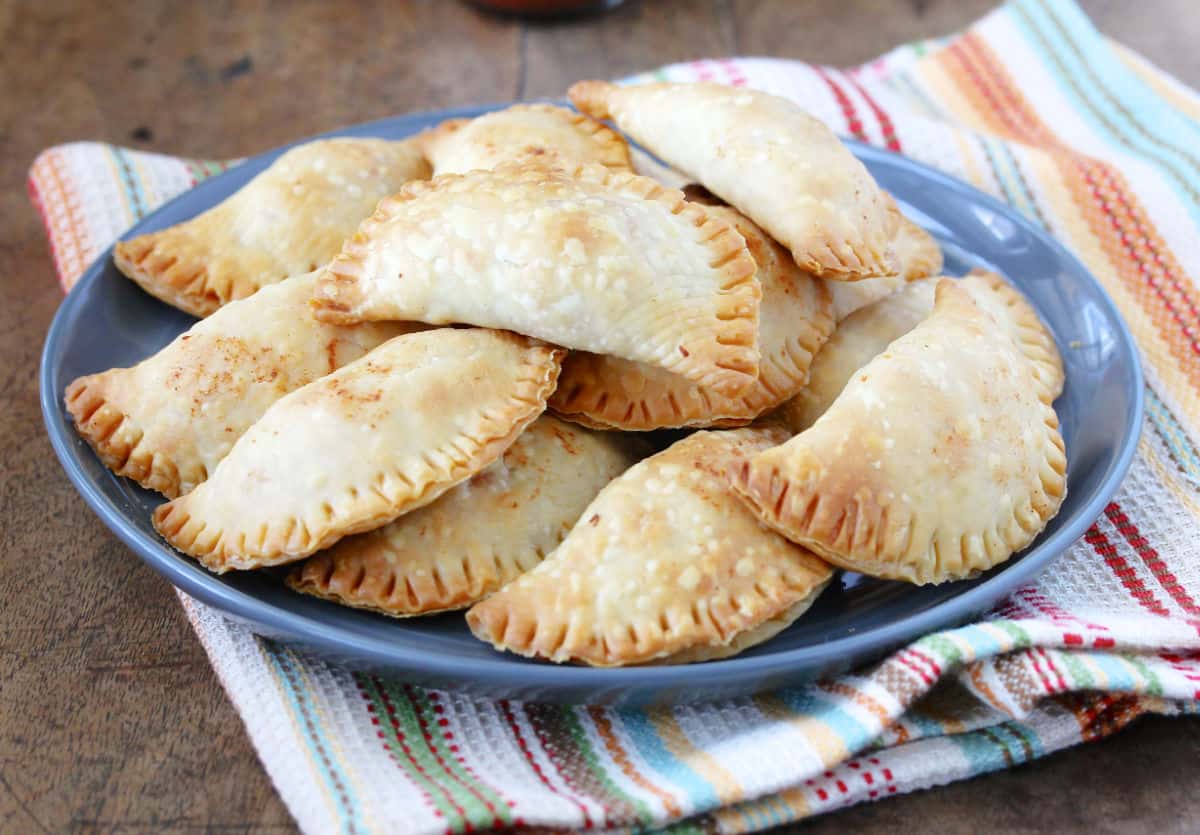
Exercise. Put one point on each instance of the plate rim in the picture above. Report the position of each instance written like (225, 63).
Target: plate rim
(502, 669)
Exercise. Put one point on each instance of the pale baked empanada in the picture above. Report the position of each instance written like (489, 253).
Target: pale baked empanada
(479, 535)
(795, 320)
(594, 260)
(869, 330)
(525, 133)
(938, 460)
(665, 565)
(919, 257)
(289, 220)
(768, 158)
(350, 452)
(168, 420)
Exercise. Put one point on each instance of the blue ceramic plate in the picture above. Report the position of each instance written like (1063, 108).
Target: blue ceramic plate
(107, 321)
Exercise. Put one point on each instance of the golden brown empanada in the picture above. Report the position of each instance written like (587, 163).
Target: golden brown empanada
(940, 459)
(795, 320)
(350, 452)
(869, 330)
(665, 565)
(168, 420)
(595, 260)
(289, 220)
(919, 256)
(541, 134)
(768, 158)
(479, 535)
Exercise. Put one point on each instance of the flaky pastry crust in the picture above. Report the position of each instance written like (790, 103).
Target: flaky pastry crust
(594, 260)
(539, 134)
(167, 421)
(287, 221)
(478, 535)
(795, 320)
(938, 460)
(351, 451)
(767, 157)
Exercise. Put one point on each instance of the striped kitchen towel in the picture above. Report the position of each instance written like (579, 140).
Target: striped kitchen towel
(1031, 104)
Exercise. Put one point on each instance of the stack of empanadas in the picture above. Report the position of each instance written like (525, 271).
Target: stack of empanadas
(389, 322)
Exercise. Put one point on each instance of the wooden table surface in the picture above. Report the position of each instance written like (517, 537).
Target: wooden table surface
(110, 718)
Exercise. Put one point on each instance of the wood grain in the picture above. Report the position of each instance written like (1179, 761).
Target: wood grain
(110, 718)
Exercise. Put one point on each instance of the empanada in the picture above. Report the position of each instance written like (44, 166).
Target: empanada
(289, 220)
(919, 257)
(594, 260)
(767, 157)
(795, 320)
(479, 535)
(168, 420)
(666, 565)
(541, 134)
(352, 451)
(869, 330)
(938, 460)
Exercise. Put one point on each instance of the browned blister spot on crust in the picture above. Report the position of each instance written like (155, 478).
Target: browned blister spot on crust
(331, 354)
(566, 439)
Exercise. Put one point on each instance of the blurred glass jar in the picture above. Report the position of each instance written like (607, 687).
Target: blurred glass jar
(546, 8)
